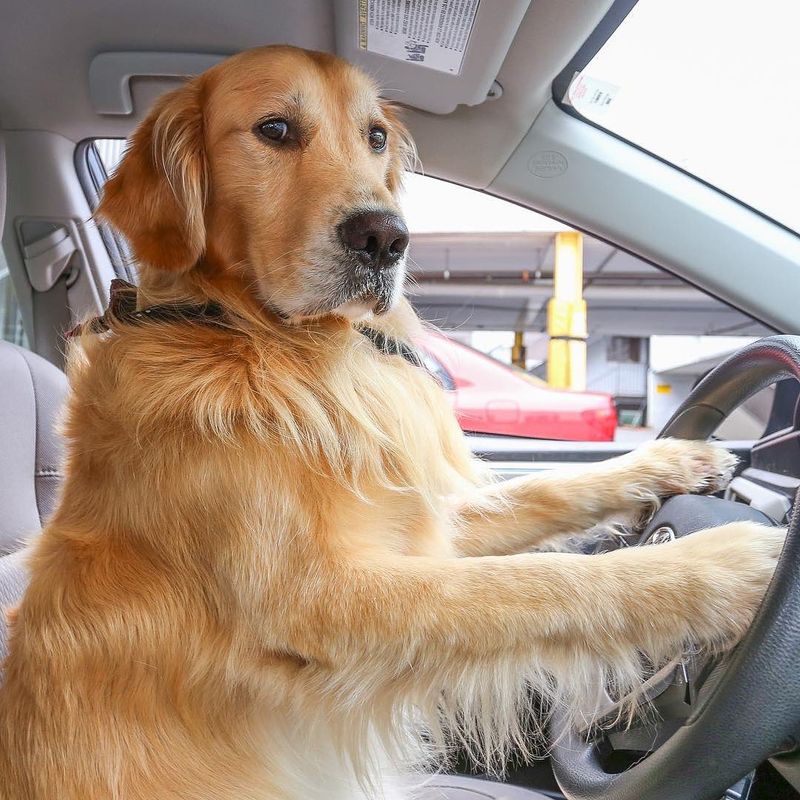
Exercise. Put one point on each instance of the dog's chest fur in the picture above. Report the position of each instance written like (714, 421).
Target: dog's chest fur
(218, 467)
(316, 415)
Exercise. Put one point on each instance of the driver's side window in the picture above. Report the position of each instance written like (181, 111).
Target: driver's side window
(486, 272)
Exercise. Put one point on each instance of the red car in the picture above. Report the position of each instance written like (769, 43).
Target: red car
(490, 397)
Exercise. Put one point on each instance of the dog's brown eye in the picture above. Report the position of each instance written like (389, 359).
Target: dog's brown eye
(377, 139)
(276, 130)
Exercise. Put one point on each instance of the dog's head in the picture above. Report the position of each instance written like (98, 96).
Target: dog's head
(279, 167)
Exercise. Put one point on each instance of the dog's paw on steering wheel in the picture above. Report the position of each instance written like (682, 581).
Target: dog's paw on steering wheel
(678, 466)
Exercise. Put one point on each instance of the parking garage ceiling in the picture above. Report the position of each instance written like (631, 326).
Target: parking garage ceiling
(502, 281)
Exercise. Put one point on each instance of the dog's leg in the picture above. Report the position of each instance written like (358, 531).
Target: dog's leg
(705, 588)
(553, 610)
(526, 512)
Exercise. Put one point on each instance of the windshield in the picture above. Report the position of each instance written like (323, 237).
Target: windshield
(711, 87)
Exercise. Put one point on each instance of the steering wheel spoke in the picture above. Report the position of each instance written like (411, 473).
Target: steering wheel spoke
(666, 702)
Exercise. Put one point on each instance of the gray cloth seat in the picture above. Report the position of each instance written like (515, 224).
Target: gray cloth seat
(31, 393)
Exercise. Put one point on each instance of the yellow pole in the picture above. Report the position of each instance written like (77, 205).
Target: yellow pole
(518, 350)
(566, 316)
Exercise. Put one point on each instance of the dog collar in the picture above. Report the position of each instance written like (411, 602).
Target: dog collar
(391, 346)
(122, 306)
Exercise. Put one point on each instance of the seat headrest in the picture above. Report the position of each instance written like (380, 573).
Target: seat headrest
(32, 392)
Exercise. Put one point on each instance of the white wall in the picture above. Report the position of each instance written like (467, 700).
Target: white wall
(681, 352)
(665, 393)
(676, 362)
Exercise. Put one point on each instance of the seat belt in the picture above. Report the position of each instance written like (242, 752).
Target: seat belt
(52, 318)
(52, 260)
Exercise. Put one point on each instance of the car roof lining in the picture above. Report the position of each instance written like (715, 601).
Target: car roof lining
(46, 87)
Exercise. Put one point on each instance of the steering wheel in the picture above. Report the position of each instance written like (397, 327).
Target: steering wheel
(749, 708)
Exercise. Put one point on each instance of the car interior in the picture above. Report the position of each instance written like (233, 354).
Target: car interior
(500, 117)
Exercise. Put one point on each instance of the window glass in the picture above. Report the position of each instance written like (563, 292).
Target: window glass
(482, 271)
(708, 85)
(110, 152)
(100, 158)
(11, 329)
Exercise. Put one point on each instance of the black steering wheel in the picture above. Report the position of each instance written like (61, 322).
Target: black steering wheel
(749, 708)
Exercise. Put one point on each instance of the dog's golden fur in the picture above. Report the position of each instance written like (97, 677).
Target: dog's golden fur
(275, 571)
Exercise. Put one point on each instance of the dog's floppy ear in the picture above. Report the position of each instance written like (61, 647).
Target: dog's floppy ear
(156, 197)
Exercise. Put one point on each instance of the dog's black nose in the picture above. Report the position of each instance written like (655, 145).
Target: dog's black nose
(378, 238)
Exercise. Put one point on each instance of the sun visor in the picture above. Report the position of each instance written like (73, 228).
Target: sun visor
(110, 75)
(430, 54)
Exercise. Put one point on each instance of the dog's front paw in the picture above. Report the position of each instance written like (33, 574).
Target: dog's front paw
(678, 466)
(726, 572)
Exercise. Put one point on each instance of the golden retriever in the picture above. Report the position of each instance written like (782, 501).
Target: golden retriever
(276, 571)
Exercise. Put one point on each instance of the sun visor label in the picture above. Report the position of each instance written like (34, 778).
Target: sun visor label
(431, 33)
